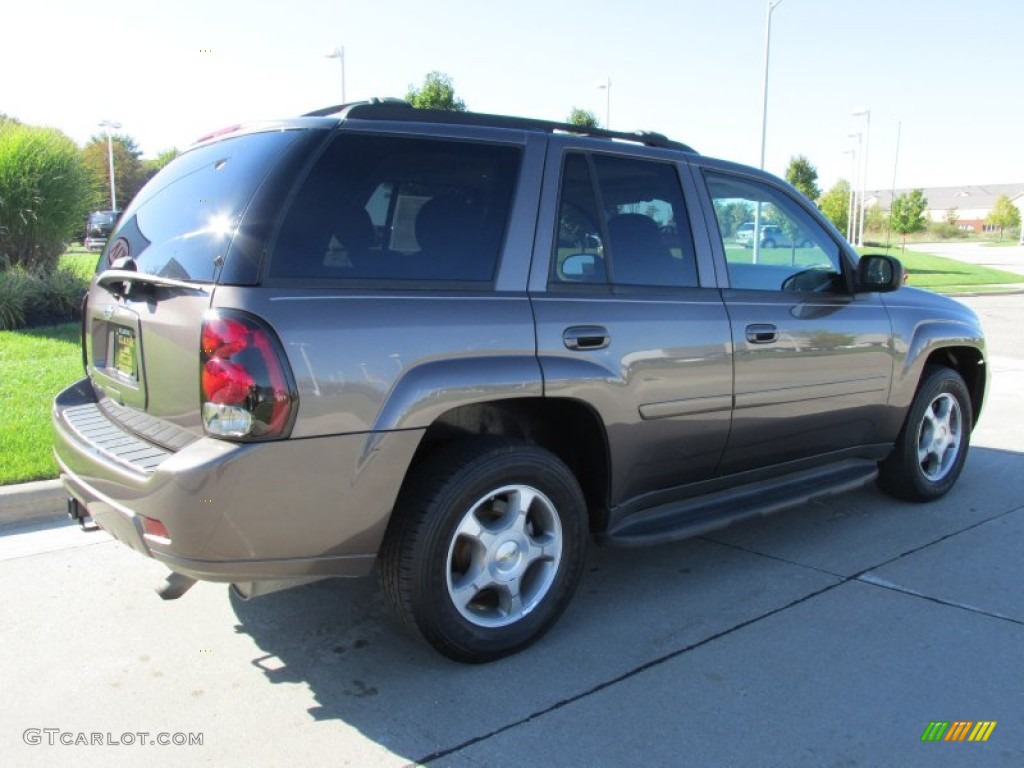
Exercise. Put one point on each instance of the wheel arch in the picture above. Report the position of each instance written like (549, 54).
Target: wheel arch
(568, 428)
(969, 362)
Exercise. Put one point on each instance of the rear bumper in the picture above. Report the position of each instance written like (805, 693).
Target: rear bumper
(240, 512)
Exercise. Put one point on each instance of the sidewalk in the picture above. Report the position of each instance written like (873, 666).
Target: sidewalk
(31, 502)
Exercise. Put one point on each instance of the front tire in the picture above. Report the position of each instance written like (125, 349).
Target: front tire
(932, 446)
(485, 548)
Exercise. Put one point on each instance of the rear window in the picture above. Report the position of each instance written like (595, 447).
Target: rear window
(181, 223)
(395, 208)
(102, 219)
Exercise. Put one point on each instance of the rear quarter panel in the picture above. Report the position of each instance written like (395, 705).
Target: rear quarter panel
(382, 360)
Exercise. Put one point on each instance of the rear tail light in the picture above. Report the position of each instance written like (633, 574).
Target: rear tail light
(244, 380)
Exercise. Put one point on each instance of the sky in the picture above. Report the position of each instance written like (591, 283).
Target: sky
(942, 75)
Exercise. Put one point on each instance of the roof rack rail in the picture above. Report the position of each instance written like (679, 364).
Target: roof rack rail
(324, 112)
(401, 110)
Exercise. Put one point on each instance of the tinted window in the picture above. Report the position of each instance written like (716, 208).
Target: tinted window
(391, 208)
(630, 229)
(771, 243)
(181, 223)
(102, 219)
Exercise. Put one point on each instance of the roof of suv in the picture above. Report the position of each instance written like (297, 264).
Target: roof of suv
(401, 111)
(398, 110)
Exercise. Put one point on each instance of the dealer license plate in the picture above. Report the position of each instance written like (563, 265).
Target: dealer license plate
(124, 352)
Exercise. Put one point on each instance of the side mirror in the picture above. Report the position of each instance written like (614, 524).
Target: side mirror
(579, 267)
(878, 274)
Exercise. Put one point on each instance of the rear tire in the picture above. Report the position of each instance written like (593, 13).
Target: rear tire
(485, 548)
(932, 446)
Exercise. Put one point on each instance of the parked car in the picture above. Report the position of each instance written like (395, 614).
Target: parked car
(745, 233)
(772, 236)
(380, 348)
(98, 227)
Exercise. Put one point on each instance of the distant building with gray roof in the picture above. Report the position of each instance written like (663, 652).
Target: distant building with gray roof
(972, 203)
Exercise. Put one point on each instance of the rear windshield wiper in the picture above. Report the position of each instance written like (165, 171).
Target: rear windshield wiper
(123, 275)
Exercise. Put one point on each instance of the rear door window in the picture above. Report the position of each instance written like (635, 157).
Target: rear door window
(630, 229)
(395, 208)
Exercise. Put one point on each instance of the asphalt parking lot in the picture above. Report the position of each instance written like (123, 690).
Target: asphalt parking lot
(829, 635)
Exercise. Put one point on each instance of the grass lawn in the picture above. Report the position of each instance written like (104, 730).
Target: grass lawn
(937, 273)
(80, 261)
(37, 363)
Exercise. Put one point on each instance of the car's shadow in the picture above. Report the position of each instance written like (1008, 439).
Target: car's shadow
(364, 668)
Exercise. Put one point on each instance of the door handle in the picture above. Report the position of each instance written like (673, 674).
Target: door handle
(762, 333)
(586, 337)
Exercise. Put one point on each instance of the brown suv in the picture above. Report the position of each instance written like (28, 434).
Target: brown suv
(463, 344)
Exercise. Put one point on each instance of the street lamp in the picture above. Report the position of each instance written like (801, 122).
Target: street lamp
(849, 205)
(865, 112)
(856, 183)
(606, 86)
(108, 124)
(772, 5)
(339, 54)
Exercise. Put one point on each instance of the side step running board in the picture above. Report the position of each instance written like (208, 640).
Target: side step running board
(694, 516)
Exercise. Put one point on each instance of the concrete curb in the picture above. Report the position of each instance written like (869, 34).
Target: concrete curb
(31, 502)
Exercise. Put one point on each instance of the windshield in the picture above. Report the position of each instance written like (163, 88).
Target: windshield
(181, 223)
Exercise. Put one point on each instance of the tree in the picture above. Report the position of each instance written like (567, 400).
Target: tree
(153, 165)
(731, 214)
(804, 176)
(874, 218)
(437, 92)
(835, 204)
(44, 194)
(583, 118)
(907, 213)
(1004, 214)
(129, 174)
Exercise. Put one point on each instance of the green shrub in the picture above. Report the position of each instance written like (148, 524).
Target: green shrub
(44, 194)
(62, 294)
(32, 298)
(19, 292)
(945, 230)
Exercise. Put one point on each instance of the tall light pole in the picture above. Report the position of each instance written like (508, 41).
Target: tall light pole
(849, 204)
(339, 54)
(772, 5)
(606, 86)
(858, 202)
(108, 124)
(865, 112)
